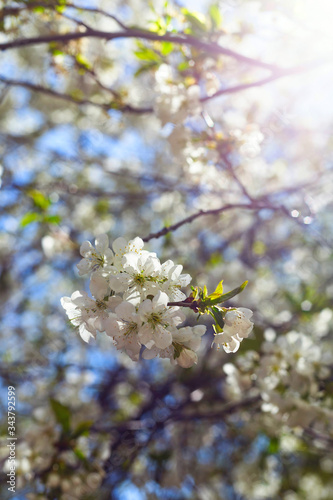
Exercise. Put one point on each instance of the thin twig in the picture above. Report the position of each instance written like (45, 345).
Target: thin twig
(216, 211)
(276, 75)
(66, 97)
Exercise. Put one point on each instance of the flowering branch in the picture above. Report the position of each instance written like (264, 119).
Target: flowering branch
(137, 300)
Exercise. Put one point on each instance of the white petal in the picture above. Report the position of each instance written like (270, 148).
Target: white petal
(98, 286)
(66, 302)
(85, 334)
(130, 262)
(80, 298)
(112, 326)
(136, 245)
(86, 248)
(232, 346)
(199, 330)
(184, 279)
(166, 267)
(119, 246)
(113, 302)
(247, 312)
(146, 307)
(187, 358)
(150, 353)
(120, 282)
(175, 272)
(101, 243)
(145, 334)
(162, 337)
(126, 311)
(183, 334)
(160, 300)
(83, 266)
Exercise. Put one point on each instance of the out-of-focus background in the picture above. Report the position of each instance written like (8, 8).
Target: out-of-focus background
(128, 136)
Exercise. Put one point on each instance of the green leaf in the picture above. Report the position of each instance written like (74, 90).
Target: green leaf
(167, 48)
(215, 15)
(146, 67)
(147, 54)
(57, 52)
(52, 219)
(273, 446)
(183, 66)
(39, 9)
(39, 199)
(80, 455)
(217, 329)
(218, 316)
(196, 20)
(218, 291)
(83, 429)
(62, 414)
(226, 296)
(30, 217)
(82, 61)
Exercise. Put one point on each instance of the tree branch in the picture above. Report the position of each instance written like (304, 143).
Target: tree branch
(216, 211)
(276, 75)
(210, 47)
(66, 97)
(32, 5)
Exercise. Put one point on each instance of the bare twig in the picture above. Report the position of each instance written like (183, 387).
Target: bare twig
(66, 97)
(276, 75)
(216, 211)
(32, 5)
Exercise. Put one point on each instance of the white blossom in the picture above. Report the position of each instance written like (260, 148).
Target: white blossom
(123, 328)
(173, 280)
(185, 342)
(95, 258)
(237, 326)
(87, 314)
(139, 276)
(158, 321)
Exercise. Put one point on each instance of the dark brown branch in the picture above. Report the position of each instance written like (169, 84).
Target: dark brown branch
(216, 211)
(276, 75)
(227, 409)
(66, 97)
(209, 47)
(130, 109)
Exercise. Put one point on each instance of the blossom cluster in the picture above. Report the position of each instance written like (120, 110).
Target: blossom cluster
(135, 301)
(289, 374)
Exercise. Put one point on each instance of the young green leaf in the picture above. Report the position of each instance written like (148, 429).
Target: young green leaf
(226, 296)
(218, 291)
(218, 316)
(62, 414)
(196, 20)
(39, 199)
(30, 217)
(167, 48)
(216, 16)
(52, 219)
